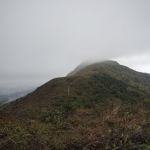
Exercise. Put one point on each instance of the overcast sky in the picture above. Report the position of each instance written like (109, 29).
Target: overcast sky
(43, 39)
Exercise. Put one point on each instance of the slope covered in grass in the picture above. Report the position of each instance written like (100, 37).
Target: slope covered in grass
(103, 106)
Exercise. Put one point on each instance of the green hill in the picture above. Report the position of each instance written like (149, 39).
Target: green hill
(100, 106)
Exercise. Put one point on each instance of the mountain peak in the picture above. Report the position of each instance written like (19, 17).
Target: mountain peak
(85, 64)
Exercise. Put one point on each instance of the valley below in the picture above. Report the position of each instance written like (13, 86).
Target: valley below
(8, 94)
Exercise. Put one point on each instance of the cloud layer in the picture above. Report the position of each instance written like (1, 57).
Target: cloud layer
(40, 40)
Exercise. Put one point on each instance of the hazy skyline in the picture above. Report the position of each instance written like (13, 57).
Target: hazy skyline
(40, 40)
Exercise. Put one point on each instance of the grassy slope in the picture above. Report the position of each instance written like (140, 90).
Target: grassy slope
(104, 106)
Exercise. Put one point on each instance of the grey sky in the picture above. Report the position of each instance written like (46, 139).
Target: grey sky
(43, 39)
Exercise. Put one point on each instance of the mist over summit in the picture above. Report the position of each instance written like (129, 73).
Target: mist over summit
(43, 40)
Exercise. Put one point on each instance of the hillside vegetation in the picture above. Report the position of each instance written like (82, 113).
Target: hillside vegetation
(102, 106)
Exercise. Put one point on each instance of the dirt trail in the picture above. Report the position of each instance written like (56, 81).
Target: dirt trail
(69, 88)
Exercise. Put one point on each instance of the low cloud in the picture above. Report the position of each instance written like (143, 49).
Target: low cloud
(41, 40)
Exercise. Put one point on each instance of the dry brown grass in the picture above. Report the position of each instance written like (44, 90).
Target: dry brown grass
(86, 128)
